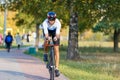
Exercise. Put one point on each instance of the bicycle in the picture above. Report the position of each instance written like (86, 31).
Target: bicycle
(51, 60)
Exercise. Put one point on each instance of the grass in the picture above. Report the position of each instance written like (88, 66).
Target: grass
(96, 63)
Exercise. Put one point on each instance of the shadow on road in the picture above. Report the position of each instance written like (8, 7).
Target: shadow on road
(19, 74)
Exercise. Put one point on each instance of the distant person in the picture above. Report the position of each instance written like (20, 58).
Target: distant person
(1, 39)
(34, 37)
(23, 36)
(28, 40)
(18, 40)
(41, 27)
(8, 41)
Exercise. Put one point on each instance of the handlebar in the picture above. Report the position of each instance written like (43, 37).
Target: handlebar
(50, 42)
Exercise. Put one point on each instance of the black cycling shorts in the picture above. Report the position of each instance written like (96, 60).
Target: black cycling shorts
(53, 34)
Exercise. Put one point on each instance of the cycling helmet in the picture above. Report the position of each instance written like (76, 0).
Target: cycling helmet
(51, 16)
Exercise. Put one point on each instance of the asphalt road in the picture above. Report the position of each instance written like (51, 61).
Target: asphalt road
(16, 65)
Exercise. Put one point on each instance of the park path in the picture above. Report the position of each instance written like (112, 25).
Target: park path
(16, 65)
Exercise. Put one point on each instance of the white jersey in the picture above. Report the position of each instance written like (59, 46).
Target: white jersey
(52, 28)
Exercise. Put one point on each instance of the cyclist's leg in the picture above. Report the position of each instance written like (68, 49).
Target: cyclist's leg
(56, 49)
(46, 48)
(45, 57)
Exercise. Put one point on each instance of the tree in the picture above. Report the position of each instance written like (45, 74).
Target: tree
(72, 52)
(110, 20)
(80, 20)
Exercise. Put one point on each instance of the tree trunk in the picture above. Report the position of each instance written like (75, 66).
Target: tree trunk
(72, 52)
(116, 39)
(37, 37)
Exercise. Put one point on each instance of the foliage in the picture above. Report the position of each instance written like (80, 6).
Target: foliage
(110, 18)
(89, 11)
(38, 10)
(106, 26)
(24, 20)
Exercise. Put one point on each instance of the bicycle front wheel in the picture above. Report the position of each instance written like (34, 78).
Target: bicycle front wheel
(52, 74)
(52, 65)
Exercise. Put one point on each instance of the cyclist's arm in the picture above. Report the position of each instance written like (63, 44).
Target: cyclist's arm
(58, 29)
(45, 30)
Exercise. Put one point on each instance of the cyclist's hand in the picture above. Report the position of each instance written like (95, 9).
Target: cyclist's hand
(55, 38)
(48, 38)
(46, 42)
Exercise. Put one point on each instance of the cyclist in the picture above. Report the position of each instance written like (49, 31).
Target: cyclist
(51, 27)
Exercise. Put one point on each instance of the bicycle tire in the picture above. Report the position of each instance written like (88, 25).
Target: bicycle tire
(52, 64)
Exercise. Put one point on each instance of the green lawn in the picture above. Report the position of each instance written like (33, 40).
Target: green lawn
(96, 63)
